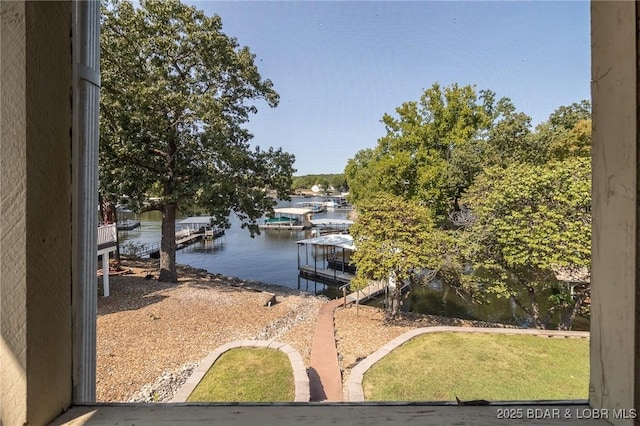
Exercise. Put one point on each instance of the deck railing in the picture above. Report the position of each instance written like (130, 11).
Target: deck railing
(107, 234)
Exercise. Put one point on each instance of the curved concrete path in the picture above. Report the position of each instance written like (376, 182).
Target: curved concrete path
(355, 392)
(301, 380)
(325, 378)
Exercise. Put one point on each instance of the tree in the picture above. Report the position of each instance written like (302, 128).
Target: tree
(574, 142)
(393, 240)
(528, 221)
(567, 132)
(176, 92)
(337, 181)
(434, 147)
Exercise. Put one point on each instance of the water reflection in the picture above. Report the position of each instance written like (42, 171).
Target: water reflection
(271, 257)
(435, 298)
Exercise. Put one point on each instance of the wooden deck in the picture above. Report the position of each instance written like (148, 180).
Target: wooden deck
(189, 239)
(327, 276)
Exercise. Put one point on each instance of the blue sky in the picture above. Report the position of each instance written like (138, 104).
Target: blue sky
(339, 66)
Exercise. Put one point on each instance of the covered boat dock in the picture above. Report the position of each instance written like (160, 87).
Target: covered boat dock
(289, 218)
(327, 259)
(197, 226)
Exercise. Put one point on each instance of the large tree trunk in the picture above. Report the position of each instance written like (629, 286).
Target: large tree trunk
(567, 317)
(396, 301)
(108, 211)
(535, 309)
(168, 271)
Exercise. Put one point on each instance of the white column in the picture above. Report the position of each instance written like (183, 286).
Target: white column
(86, 92)
(105, 274)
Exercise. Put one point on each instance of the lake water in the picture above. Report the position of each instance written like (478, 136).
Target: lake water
(271, 257)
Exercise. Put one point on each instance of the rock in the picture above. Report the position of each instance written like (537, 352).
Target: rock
(271, 299)
(163, 389)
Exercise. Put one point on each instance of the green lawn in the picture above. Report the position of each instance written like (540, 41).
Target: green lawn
(441, 366)
(247, 375)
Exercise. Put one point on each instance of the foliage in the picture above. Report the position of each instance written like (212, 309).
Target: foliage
(518, 219)
(435, 147)
(443, 366)
(176, 92)
(529, 220)
(393, 238)
(567, 132)
(325, 181)
(247, 375)
(574, 142)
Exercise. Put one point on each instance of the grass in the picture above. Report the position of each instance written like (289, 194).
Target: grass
(247, 375)
(441, 366)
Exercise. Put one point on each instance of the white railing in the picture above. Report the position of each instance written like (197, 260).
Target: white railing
(107, 234)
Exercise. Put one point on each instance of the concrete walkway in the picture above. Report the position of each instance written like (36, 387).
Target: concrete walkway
(325, 378)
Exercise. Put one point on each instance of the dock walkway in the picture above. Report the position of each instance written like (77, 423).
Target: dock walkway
(372, 290)
(183, 239)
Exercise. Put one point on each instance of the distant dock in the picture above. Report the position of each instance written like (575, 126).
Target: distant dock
(288, 218)
(194, 229)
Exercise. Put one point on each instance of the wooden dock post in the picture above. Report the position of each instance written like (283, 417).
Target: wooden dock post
(344, 295)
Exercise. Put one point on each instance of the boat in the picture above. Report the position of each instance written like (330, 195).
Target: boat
(282, 220)
(127, 224)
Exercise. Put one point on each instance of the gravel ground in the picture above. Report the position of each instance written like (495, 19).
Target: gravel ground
(151, 335)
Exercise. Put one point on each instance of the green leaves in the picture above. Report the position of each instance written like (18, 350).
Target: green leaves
(508, 205)
(392, 236)
(434, 147)
(175, 94)
(529, 220)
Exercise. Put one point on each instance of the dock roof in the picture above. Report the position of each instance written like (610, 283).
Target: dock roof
(337, 240)
(196, 220)
(292, 210)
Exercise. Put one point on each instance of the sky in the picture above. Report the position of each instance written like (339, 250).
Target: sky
(340, 66)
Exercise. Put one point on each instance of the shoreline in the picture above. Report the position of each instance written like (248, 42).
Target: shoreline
(151, 335)
(151, 267)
